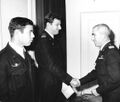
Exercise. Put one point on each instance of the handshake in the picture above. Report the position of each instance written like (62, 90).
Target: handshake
(75, 83)
(90, 91)
(72, 88)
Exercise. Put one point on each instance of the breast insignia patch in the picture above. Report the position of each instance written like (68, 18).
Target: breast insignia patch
(43, 36)
(111, 47)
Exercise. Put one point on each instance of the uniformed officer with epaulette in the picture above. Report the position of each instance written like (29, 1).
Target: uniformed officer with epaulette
(51, 63)
(107, 69)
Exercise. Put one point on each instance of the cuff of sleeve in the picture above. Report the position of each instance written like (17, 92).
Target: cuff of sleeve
(94, 92)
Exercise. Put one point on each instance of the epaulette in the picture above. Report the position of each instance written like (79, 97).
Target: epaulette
(111, 47)
(43, 36)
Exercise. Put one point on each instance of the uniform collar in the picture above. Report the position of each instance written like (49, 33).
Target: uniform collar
(102, 47)
(50, 34)
(18, 49)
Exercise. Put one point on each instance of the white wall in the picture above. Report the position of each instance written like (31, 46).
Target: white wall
(73, 36)
(81, 16)
(10, 9)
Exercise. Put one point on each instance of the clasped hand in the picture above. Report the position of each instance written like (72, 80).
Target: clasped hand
(88, 91)
(75, 82)
(82, 92)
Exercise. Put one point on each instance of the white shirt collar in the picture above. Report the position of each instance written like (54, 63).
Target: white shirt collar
(50, 34)
(104, 45)
(18, 49)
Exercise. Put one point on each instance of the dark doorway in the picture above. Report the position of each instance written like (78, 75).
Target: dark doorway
(56, 6)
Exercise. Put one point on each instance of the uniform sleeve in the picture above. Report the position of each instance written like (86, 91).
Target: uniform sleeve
(45, 56)
(88, 78)
(3, 79)
(112, 80)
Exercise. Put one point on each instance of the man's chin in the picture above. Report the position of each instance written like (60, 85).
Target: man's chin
(56, 33)
(28, 44)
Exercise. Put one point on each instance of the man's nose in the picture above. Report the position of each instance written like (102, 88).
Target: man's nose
(33, 35)
(60, 27)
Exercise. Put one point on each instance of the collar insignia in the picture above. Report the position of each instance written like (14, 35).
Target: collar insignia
(101, 57)
(15, 65)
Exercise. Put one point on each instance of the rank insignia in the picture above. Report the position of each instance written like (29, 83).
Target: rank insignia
(101, 57)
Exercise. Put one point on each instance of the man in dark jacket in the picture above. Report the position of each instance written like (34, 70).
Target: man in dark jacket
(51, 63)
(16, 68)
(107, 69)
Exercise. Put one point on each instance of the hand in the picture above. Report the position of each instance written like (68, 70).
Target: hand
(86, 91)
(91, 98)
(78, 93)
(88, 97)
(83, 92)
(75, 82)
(91, 90)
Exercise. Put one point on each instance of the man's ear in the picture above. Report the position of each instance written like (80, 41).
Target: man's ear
(17, 31)
(48, 24)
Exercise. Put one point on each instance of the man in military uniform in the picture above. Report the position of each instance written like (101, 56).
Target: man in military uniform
(51, 67)
(107, 69)
(16, 66)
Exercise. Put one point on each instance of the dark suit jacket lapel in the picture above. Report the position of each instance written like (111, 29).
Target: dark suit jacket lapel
(13, 54)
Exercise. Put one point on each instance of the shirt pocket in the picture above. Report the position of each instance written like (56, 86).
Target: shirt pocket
(17, 76)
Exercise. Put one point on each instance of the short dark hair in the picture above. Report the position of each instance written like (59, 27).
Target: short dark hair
(50, 17)
(18, 23)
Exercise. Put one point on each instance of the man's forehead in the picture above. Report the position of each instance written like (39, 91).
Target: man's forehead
(57, 20)
(29, 26)
(100, 28)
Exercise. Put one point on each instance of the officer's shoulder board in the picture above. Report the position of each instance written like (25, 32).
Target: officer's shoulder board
(111, 47)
